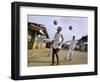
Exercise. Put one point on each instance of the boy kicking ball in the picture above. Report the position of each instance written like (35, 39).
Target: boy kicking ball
(71, 49)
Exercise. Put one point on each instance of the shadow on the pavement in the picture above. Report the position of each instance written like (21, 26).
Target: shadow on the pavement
(39, 61)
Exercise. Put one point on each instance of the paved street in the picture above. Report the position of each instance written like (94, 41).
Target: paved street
(41, 57)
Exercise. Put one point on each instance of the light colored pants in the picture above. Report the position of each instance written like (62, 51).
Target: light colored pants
(69, 54)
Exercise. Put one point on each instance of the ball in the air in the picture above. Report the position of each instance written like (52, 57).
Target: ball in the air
(55, 22)
(70, 28)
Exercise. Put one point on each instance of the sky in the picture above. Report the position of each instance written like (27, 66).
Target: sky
(79, 24)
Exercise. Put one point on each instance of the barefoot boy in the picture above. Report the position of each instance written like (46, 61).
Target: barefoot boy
(56, 44)
(71, 49)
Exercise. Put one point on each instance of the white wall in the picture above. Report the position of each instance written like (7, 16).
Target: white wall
(5, 39)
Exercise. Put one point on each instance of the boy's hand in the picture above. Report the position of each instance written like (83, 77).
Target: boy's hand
(59, 44)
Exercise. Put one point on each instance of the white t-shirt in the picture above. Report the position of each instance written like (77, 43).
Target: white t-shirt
(72, 44)
(57, 39)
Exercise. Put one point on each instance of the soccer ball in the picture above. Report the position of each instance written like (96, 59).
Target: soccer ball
(70, 28)
(55, 22)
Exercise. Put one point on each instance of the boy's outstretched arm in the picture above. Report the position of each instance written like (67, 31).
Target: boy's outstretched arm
(62, 39)
(52, 41)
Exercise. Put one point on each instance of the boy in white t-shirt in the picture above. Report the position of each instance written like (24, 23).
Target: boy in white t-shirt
(56, 44)
(71, 49)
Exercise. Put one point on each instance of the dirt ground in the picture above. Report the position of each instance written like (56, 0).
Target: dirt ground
(43, 57)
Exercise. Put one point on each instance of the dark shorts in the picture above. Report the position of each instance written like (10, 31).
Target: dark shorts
(56, 50)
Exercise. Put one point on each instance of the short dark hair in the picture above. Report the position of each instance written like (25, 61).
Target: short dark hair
(59, 27)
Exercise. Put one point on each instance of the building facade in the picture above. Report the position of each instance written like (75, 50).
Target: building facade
(36, 34)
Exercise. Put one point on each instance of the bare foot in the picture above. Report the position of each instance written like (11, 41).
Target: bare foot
(52, 64)
(65, 58)
(57, 64)
(69, 59)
